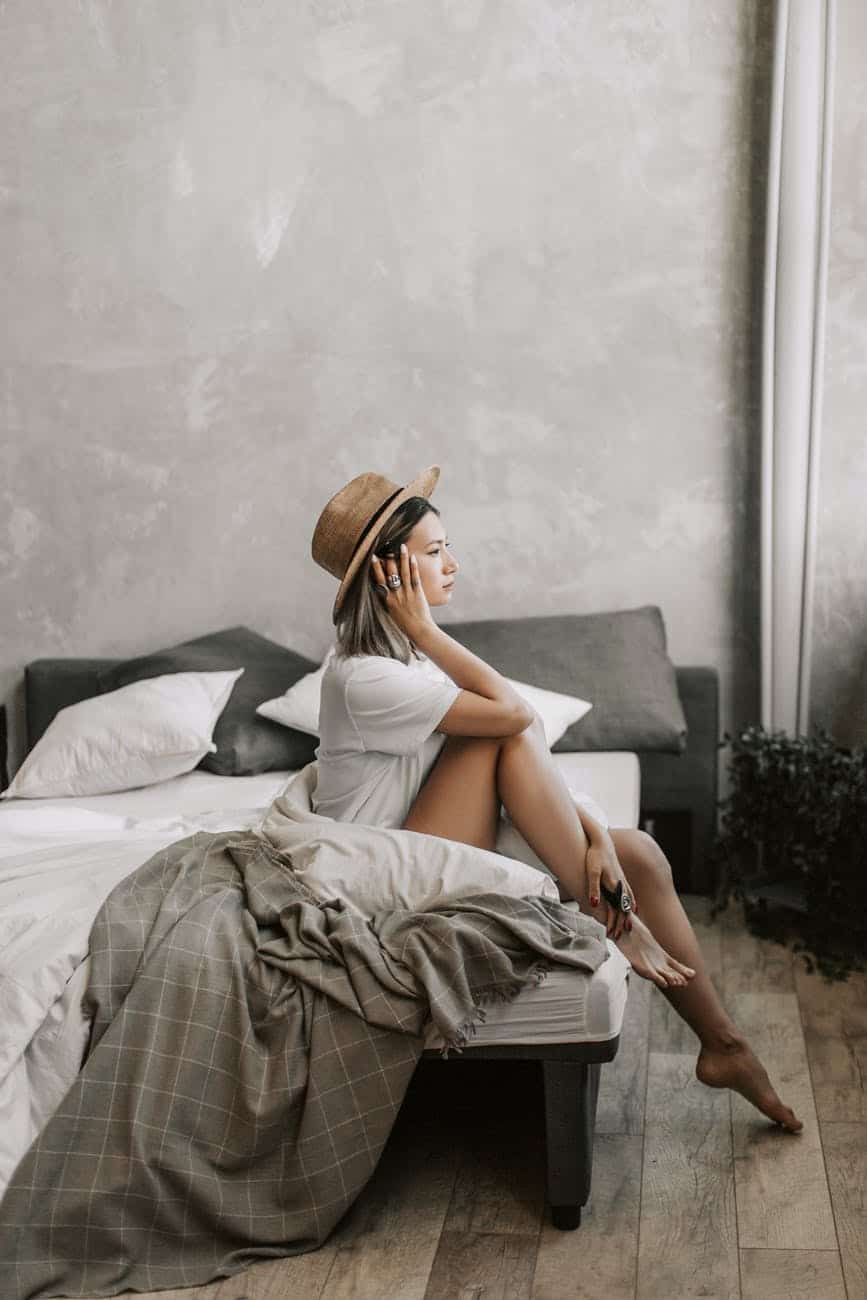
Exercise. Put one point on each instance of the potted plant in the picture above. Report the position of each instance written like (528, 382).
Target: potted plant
(792, 844)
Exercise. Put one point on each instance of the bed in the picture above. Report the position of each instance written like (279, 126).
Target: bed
(59, 858)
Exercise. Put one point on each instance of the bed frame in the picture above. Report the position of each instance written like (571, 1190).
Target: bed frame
(684, 784)
(570, 1073)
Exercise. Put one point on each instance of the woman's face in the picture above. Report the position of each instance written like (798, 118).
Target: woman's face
(436, 565)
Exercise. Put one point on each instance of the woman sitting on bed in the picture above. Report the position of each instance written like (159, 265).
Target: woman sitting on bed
(420, 733)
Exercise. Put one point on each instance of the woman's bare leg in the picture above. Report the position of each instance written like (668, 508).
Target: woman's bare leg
(538, 801)
(649, 874)
(460, 800)
(726, 1060)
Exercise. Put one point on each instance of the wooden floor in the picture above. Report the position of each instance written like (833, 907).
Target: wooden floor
(693, 1193)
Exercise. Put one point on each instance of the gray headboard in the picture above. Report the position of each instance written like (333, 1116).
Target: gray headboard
(679, 792)
(51, 684)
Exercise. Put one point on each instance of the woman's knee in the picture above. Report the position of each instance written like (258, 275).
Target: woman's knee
(534, 732)
(643, 858)
(460, 744)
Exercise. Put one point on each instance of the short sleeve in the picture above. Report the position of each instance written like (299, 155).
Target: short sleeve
(396, 707)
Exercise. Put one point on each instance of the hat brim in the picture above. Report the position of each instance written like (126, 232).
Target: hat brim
(421, 486)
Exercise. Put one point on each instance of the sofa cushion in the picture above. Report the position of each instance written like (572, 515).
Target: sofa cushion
(618, 659)
(246, 743)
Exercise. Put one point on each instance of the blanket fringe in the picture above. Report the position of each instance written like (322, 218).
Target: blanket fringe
(536, 975)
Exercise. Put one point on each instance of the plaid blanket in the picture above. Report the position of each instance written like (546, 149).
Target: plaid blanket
(250, 1049)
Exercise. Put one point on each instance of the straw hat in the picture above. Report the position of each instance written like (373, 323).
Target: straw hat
(349, 524)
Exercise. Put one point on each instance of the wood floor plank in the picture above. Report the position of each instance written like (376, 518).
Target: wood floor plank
(582, 1264)
(623, 1082)
(835, 1030)
(845, 1147)
(386, 1243)
(688, 1231)
(276, 1279)
(471, 1265)
(271, 1279)
(500, 1186)
(751, 965)
(782, 1190)
(788, 1274)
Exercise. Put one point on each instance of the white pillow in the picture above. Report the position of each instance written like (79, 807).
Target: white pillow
(557, 711)
(138, 735)
(375, 869)
(299, 706)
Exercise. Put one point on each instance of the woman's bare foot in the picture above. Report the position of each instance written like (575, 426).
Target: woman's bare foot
(649, 958)
(738, 1067)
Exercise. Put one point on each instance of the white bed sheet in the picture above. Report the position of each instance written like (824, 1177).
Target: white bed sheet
(60, 858)
(196, 792)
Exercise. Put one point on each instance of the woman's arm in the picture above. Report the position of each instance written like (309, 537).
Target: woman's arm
(487, 705)
(595, 831)
(603, 864)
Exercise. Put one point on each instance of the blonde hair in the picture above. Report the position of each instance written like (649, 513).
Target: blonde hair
(364, 625)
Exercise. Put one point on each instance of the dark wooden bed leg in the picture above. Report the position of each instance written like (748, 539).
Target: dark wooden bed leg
(571, 1090)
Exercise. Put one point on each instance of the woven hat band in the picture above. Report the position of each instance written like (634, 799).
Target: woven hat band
(368, 527)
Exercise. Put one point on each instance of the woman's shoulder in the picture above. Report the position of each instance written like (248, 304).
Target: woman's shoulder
(368, 667)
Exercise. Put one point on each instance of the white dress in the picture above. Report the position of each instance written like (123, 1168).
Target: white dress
(377, 721)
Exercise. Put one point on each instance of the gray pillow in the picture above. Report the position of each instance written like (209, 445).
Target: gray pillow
(246, 743)
(617, 660)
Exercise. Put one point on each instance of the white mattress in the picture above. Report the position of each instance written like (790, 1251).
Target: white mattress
(568, 1007)
(612, 779)
(60, 858)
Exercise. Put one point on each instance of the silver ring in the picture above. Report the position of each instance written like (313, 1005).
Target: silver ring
(393, 580)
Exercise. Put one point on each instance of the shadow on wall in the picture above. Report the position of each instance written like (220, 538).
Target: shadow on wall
(850, 719)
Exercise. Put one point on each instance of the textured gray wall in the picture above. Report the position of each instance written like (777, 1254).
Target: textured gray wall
(839, 686)
(253, 249)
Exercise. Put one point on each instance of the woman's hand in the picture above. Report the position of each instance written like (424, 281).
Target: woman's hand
(603, 865)
(407, 604)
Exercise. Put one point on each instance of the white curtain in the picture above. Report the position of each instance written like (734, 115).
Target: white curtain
(793, 351)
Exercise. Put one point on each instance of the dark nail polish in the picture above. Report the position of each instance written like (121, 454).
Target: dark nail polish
(594, 901)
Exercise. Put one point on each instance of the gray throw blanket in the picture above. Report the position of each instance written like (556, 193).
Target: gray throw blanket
(250, 1050)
